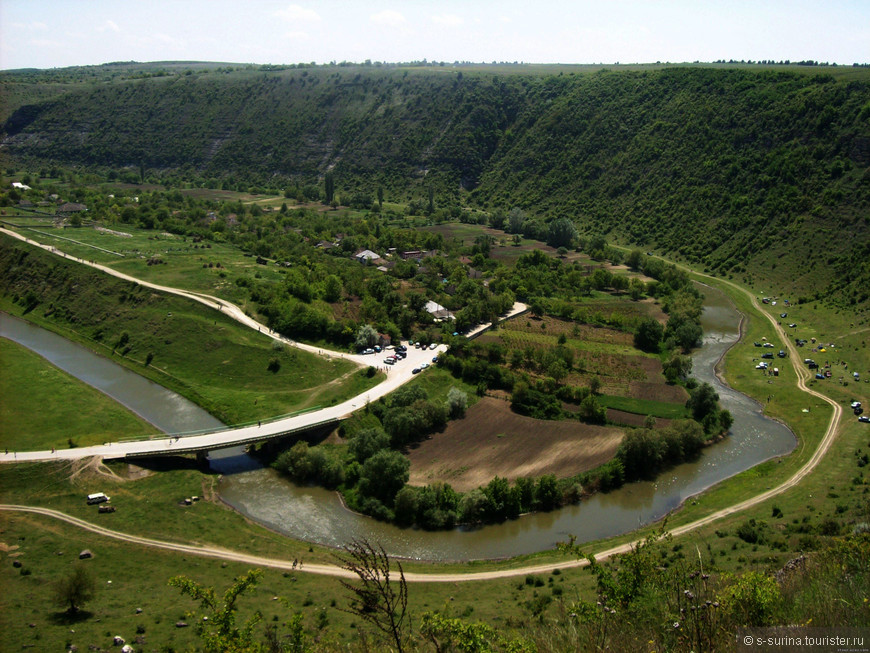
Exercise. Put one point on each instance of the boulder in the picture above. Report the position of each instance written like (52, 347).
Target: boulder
(16, 564)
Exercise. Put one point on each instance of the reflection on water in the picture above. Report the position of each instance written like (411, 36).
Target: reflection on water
(317, 515)
(166, 410)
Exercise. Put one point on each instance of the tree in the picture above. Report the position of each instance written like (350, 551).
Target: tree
(648, 335)
(366, 336)
(75, 589)
(516, 219)
(383, 475)
(367, 442)
(561, 233)
(376, 599)
(635, 260)
(702, 401)
(457, 403)
(677, 367)
(332, 288)
(218, 629)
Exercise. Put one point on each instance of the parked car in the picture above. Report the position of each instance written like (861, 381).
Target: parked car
(416, 370)
(768, 344)
(783, 315)
(767, 355)
(781, 353)
(757, 344)
(864, 418)
(433, 345)
(820, 376)
(793, 325)
(761, 366)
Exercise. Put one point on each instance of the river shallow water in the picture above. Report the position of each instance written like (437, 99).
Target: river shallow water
(317, 515)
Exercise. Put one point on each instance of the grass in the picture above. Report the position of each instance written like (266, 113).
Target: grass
(836, 491)
(195, 351)
(210, 268)
(43, 405)
(645, 406)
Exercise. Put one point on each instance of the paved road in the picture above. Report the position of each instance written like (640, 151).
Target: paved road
(397, 375)
(802, 376)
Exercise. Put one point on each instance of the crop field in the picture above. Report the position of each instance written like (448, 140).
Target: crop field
(598, 352)
(162, 258)
(494, 441)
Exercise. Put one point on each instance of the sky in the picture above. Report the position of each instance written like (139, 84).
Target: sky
(59, 33)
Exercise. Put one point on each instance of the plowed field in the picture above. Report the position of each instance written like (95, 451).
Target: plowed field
(494, 441)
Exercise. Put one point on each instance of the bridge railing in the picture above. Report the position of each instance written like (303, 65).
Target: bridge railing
(184, 434)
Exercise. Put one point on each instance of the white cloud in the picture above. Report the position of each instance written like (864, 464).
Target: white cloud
(109, 25)
(449, 20)
(389, 18)
(295, 13)
(297, 36)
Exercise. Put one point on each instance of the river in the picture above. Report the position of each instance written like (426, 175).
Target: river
(317, 515)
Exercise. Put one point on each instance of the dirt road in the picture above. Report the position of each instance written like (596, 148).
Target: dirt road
(329, 570)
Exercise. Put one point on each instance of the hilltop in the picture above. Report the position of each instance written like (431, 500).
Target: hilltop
(749, 171)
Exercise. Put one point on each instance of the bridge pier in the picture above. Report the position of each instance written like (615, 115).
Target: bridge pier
(202, 458)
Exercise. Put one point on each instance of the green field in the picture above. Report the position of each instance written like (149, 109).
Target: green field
(44, 407)
(198, 352)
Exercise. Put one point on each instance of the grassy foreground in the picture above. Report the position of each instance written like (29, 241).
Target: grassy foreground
(829, 504)
(44, 407)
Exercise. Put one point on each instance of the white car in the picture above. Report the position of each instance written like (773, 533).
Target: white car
(761, 366)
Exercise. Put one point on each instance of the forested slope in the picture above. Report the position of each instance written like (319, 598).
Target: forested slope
(735, 168)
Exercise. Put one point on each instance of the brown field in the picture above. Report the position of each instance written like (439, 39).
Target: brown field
(633, 419)
(493, 441)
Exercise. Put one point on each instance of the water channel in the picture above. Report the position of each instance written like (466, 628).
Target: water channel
(316, 515)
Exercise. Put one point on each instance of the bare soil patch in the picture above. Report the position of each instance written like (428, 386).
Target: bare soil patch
(494, 441)
(633, 419)
(674, 394)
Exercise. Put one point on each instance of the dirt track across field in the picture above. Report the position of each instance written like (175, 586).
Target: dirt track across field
(801, 373)
(494, 441)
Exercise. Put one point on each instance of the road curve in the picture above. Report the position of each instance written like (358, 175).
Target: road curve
(331, 570)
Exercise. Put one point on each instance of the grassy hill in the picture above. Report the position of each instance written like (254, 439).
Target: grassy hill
(756, 171)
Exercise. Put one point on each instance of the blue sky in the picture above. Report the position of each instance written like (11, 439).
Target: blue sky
(57, 33)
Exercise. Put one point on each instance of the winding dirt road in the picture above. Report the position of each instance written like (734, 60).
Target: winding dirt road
(330, 570)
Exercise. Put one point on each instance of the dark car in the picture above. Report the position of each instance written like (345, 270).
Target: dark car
(864, 418)
(781, 353)
(757, 344)
(416, 370)
(767, 355)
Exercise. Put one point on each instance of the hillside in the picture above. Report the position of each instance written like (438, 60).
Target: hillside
(755, 171)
